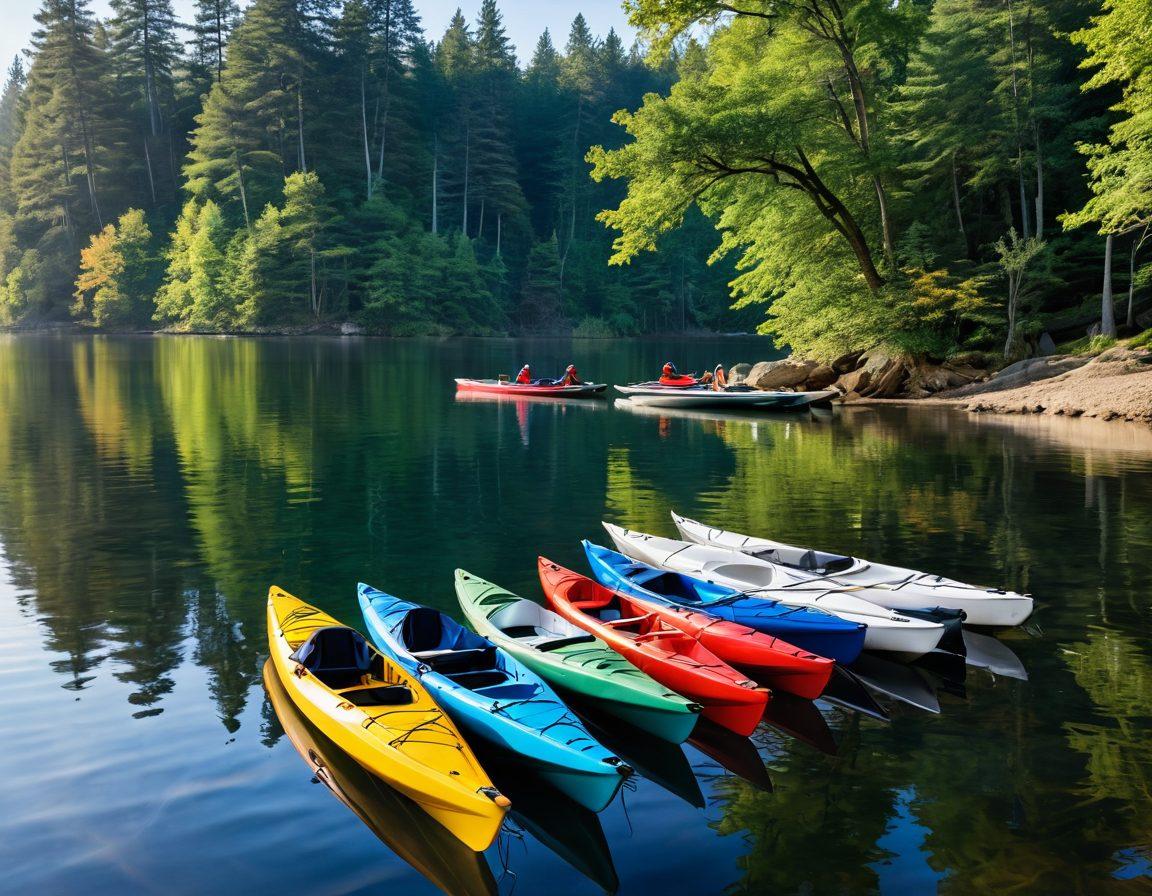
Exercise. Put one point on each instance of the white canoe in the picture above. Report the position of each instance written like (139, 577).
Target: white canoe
(655, 396)
(889, 586)
(887, 629)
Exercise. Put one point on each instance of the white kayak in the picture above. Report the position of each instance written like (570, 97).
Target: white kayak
(890, 586)
(887, 629)
(656, 396)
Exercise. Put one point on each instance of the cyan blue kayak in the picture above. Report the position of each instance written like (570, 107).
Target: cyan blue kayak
(813, 630)
(490, 695)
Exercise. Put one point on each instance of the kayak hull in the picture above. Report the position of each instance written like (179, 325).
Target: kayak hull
(674, 659)
(816, 631)
(518, 713)
(499, 387)
(401, 824)
(704, 397)
(894, 587)
(887, 630)
(772, 661)
(439, 772)
(588, 668)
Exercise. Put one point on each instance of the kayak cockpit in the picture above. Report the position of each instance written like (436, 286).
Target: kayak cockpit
(806, 560)
(533, 626)
(341, 659)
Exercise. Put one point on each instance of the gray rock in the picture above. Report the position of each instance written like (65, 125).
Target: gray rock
(350, 329)
(784, 373)
(1046, 346)
(821, 377)
(738, 373)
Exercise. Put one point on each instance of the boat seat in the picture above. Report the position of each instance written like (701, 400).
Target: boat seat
(556, 643)
(521, 631)
(385, 695)
(472, 659)
(608, 614)
(479, 680)
(337, 656)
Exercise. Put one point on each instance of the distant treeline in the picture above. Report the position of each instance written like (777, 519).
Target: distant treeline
(311, 161)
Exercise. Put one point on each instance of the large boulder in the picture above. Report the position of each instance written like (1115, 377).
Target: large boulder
(1046, 346)
(821, 377)
(785, 373)
(847, 363)
(853, 383)
(1024, 372)
(738, 373)
(925, 378)
(886, 375)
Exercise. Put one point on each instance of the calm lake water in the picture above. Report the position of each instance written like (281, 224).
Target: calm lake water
(152, 489)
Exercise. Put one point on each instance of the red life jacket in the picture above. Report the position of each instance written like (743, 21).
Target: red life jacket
(524, 376)
(678, 381)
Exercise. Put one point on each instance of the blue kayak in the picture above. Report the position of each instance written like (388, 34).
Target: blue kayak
(490, 695)
(813, 630)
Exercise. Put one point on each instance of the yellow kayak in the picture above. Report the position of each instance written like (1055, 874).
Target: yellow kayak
(382, 717)
(404, 827)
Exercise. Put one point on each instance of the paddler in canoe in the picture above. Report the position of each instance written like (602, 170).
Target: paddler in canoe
(570, 378)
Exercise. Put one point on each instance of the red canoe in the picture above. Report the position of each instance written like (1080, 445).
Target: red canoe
(499, 387)
(782, 666)
(676, 660)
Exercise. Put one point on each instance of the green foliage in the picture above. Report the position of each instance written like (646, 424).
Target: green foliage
(1144, 340)
(118, 274)
(540, 296)
(1121, 167)
(196, 290)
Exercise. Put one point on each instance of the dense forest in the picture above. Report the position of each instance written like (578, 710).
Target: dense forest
(311, 161)
(929, 176)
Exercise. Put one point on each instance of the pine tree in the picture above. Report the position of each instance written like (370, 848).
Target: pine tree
(256, 118)
(145, 49)
(540, 295)
(211, 28)
(11, 124)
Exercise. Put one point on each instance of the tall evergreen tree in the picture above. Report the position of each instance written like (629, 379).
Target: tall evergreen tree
(11, 124)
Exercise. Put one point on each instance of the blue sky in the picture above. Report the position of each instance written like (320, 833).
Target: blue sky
(525, 19)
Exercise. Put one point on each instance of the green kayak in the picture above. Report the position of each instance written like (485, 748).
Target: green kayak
(569, 658)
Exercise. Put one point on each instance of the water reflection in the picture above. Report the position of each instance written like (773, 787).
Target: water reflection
(151, 488)
(401, 825)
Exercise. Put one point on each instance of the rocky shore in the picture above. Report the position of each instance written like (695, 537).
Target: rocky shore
(1114, 385)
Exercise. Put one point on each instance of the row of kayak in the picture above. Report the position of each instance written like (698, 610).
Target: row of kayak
(652, 646)
(652, 394)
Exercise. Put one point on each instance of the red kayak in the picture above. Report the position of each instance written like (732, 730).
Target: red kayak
(500, 387)
(782, 666)
(676, 660)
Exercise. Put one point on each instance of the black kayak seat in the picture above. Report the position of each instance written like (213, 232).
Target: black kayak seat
(448, 662)
(557, 643)
(337, 656)
(422, 629)
(479, 679)
(387, 695)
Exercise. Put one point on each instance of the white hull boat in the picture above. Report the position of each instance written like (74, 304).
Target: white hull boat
(887, 629)
(890, 586)
(656, 396)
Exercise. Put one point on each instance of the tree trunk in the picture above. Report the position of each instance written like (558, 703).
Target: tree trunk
(219, 40)
(148, 168)
(1025, 223)
(1107, 310)
(467, 174)
(1013, 292)
(315, 299)
(1137, 242)
(300, 125)
(242, 188)
(480, 229)
(364, 129)
(500, 234)
(436, 186)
